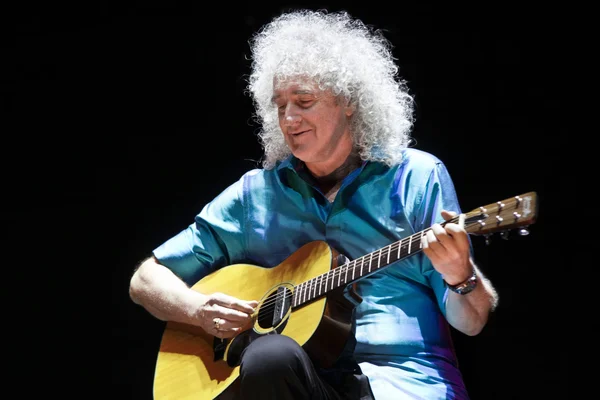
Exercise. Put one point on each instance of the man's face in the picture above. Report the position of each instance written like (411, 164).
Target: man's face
(312, 121)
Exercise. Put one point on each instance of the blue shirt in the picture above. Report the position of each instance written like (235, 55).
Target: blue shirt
(403, 340)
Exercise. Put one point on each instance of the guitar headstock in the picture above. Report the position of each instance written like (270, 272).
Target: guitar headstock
(511, 213)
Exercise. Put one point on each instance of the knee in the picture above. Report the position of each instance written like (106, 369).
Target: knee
(271, 356)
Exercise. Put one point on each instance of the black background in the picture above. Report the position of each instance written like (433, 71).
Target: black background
(129, 117)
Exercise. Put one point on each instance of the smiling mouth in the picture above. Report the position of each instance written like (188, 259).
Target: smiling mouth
(298, 133)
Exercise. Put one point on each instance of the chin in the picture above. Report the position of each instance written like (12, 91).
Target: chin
(302, 154)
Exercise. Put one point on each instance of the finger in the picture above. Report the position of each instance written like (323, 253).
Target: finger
(226, 329)
(229, 313)
(224, 334)
(431, 239)
(426, 247)
(424, 243)
(439, 234)
(448, 214)
(459, 235)
(235, 303)
(431, 243)
(225, 325)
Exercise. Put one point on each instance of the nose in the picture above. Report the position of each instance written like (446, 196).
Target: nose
(291, 120)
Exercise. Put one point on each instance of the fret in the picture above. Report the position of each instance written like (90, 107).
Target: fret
(304, 294)
(332, 281)
(346, 278)
(388, 254)
(322, 279)
(319, 283)
(305, 290)
(299, 293)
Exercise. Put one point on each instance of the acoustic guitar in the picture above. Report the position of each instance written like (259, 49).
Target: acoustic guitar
(309, 297)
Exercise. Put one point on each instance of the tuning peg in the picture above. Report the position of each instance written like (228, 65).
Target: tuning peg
(504, 235)
(523, 231)
(488, 238)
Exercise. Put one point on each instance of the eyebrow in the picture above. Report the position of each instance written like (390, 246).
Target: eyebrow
(295, 92)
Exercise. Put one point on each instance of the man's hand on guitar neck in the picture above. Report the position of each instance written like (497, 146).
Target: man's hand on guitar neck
(448, 249)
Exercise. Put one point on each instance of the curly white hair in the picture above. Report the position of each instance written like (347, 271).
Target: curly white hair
(343, 55)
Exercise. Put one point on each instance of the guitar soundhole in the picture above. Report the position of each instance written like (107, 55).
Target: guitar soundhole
(275, 308)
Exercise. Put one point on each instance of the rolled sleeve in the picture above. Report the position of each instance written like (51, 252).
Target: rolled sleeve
(214, 240)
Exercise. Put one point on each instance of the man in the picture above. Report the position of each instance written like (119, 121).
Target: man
(336, 126)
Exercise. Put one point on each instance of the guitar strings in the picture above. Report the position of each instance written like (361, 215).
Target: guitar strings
(313, 284)
(330, 276)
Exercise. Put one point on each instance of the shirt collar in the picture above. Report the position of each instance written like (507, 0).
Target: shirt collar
(290, 162)
(297, 165)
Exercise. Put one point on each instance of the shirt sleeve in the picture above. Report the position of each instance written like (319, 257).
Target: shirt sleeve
(213, 240)
(438, 194)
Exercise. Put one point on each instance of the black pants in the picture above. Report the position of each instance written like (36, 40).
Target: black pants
(276, 367)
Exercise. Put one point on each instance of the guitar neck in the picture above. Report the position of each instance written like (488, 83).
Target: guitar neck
(517, 211)
(357, 269)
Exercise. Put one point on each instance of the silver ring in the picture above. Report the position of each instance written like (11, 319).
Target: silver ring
(217, 322)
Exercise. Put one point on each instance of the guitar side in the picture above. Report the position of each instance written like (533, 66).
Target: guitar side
(185, 365)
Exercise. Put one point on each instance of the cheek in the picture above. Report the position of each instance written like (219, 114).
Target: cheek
(280, 122)
(334, 126)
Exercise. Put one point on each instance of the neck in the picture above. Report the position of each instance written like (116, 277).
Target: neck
(350, 164)
(331, 181)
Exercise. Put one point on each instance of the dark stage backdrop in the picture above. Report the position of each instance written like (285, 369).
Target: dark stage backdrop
(131, 117)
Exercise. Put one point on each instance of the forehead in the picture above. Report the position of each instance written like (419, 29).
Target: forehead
(295, 86)
(296, 82)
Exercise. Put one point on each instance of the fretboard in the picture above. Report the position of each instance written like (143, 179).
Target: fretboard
(357, 269)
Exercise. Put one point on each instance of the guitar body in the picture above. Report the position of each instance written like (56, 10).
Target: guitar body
(186, 365)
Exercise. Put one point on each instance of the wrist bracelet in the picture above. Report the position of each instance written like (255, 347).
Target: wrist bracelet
(466, 286)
